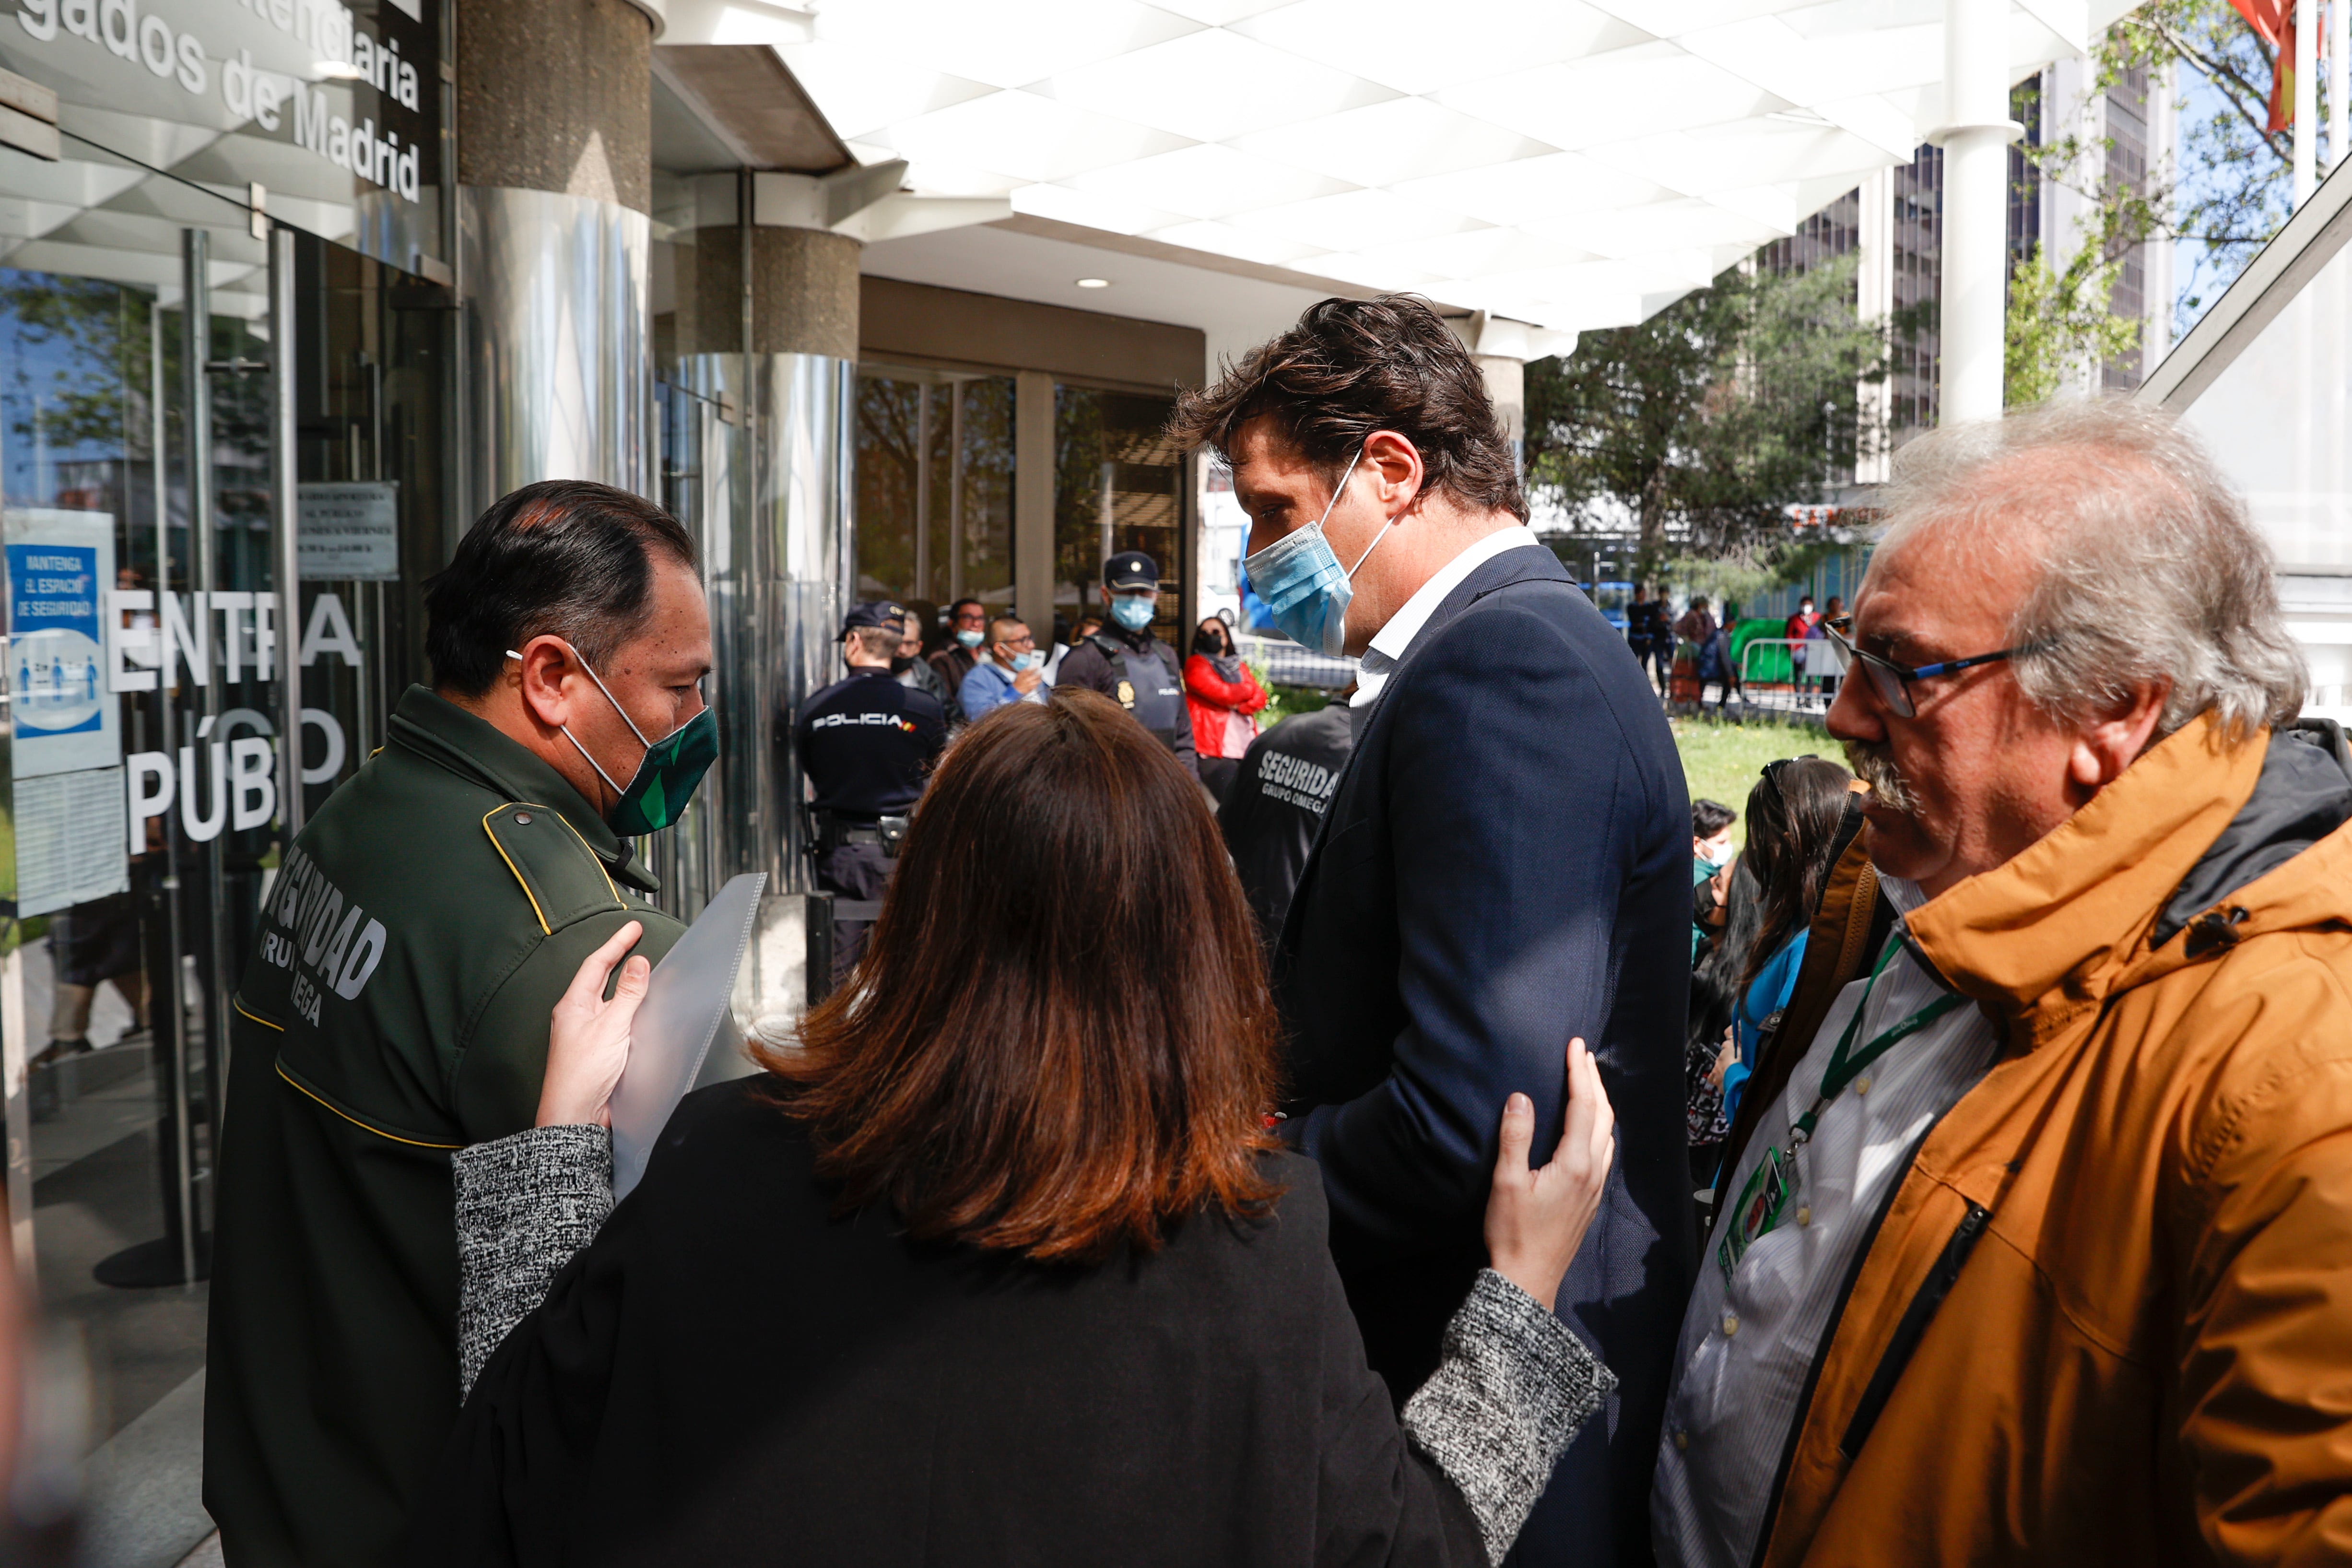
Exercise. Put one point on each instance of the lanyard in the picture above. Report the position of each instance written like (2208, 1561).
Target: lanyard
(1846, 1063)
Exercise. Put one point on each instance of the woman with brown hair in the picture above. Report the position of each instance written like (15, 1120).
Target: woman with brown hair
(1001, 1264)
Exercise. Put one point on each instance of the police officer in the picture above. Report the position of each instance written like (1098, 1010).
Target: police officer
(1126, 663)
(866, 744)
(411, 946)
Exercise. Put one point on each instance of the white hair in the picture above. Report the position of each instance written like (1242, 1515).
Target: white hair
(2146, 568)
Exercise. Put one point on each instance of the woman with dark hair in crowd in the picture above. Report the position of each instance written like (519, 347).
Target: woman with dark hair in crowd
(1793, 813)
(1224, 698)
(999, 1264)
(1714, 996)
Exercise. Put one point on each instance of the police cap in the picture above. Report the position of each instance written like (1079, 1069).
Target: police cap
(1130, 569)
(873, 613)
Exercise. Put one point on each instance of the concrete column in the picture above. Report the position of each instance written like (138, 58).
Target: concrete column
(1874, 303)
(1506, 384)
(555, 176)
(1032, 502)
(1501, 348)
(1975, 136)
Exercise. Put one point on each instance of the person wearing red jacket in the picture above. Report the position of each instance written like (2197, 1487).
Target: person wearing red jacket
(1223, 695)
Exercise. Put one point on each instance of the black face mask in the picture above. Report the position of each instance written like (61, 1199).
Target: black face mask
(901, 665)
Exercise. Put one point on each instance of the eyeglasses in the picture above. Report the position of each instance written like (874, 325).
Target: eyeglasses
(1891, 681)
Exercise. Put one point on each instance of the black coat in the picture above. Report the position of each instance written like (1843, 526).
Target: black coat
(1506, 864)
(730, 1375)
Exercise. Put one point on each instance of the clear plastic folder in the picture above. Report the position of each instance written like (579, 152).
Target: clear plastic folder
(685, 1006)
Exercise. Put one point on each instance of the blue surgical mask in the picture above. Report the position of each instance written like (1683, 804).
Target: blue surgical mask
(1026, 661)
(1303, 584)
(1133, 611)
(969, 640)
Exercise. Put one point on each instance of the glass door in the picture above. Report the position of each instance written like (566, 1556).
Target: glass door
(134, 489)
(143, 453)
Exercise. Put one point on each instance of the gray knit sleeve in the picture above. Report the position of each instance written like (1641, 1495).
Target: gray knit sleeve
(1515, 1385)
(525, 1204)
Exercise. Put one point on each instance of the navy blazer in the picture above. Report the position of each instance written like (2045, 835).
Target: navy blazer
(1506, 864)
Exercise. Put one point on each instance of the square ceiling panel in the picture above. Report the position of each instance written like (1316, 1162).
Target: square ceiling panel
(1403, 138)
(1214, 85)
(1572, 163)
(1210, 181)
(1025, 136)
(1392, 42)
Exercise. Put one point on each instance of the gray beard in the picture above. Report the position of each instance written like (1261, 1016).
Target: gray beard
(1873, 766)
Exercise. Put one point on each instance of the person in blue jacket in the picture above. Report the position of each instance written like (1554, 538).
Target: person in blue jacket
(1793, 813)
(1503, 867)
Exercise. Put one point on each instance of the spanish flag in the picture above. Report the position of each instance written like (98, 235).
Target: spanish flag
(2273, 22)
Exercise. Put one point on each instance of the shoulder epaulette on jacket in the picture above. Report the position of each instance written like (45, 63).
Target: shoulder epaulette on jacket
(559, 874)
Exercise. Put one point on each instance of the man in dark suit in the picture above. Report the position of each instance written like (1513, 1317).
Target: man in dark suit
(1504, 867)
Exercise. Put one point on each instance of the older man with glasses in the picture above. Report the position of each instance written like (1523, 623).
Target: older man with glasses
(2035, 1243)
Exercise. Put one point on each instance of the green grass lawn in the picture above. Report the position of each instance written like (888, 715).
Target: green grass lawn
(1720, 762)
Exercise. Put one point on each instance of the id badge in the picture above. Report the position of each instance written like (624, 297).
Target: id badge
(1759, 1210)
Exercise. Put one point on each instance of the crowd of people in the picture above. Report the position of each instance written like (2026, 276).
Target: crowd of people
(1321, 1144)
(1703, 650)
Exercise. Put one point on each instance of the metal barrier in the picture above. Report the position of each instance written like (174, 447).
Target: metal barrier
(1787, 689)
(1288, 664)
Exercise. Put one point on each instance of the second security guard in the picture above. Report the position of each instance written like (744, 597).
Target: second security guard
(1129, 665)
(867, 744)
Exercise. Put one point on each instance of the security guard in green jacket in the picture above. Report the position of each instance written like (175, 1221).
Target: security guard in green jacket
(411, 946)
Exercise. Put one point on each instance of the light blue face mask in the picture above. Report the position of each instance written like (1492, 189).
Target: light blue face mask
(1303, 584)
(1133, 611)
(969, 640)
(1027, 661)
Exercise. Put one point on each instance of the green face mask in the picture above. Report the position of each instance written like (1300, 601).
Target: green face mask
(665, 781)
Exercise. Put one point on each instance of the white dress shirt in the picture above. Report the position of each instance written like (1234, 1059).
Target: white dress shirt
(1747, 1343)
(1388, 649)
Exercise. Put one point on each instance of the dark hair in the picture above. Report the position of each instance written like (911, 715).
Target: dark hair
(563, 556)
(1353, 366)
(1034, 1063)
(1718, 982)
(1710, 817)
(956, 608)
(1794, 814)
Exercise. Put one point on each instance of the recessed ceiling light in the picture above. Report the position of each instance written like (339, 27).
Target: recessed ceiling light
(1094, 282)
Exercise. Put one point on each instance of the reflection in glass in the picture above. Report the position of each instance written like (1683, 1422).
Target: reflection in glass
(934, 528)
(1118, 484)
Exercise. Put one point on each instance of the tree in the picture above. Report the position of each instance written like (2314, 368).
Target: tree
(1709, 419)
(2058, 321)
(2230, 189)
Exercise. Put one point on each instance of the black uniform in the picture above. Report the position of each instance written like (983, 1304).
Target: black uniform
(1139, 672)
(1276, 808)
(867, 744)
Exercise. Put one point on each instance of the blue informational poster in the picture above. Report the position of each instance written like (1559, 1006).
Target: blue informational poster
(53, 610)
(59, 565)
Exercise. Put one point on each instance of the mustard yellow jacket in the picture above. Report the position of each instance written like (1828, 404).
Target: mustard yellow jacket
(2106, 1316)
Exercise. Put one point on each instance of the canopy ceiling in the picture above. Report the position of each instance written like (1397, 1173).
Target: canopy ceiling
(1570, 164)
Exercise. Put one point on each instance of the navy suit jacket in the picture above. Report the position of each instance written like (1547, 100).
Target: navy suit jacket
(1506, 864)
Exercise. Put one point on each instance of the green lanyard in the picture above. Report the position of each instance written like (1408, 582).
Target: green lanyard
(1845, 1062)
